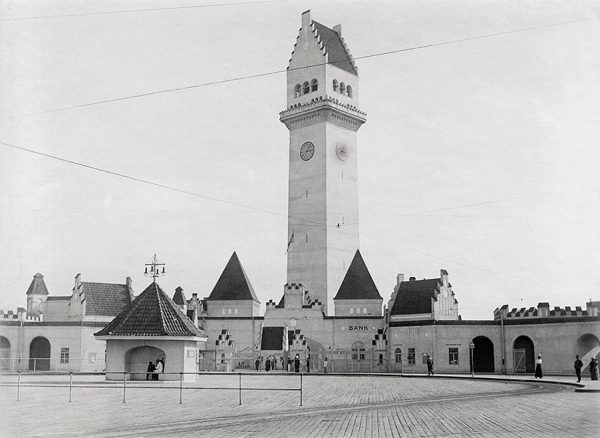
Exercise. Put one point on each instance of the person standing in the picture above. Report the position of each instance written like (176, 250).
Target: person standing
(268, 365)
(429, 366)
(325, 365)
(149, 371)
(538, 367)
(158, 369)
(257, 364)
(594, 368)
(297, 363)
(308, 363)
(578, 365)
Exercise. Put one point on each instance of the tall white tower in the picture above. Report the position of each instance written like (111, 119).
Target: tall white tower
(322, 116)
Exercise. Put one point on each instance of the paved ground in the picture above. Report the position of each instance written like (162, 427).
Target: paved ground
(340, 406)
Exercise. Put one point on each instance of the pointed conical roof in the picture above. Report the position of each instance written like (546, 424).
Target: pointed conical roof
(179, 297)
(37, 286)
(233, 284)
(152, 313)
(358, 283)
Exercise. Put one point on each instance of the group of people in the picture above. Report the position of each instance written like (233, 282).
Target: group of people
(293, 365)
(154, 370)
(593, 368)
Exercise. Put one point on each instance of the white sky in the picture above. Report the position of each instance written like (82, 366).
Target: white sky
(480, 157)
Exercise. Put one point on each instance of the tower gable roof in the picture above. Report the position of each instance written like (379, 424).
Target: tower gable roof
(415, 296)
(37, 286)
(233, 284)
(152, 313)
(358, 283)
(334, 47)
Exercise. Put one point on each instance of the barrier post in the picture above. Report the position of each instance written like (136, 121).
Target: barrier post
(240, 386)
(19, 386)
(180, 388)
(70, 384)
(300, 389)
(124, 384)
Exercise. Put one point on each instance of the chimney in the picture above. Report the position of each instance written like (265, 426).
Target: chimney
(399, 278)
(412, 278)
(338, 29)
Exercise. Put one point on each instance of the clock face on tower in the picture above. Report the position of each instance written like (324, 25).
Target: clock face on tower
(341, 151)
(307, 151)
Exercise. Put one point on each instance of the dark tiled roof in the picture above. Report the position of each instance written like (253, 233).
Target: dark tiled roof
(37, 285)
(358, 283)
(105, 299)
(153, 313)
(338, 55)
(414, 296)
(272, 338)
(233, 284)
(179, 297)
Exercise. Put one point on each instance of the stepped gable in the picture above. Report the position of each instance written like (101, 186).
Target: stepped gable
(152, 313)
(334, 47)
(233, 284)
(358, 283)
(179, 297)
(37, 286)
(415, 296)
(272, 338)
(105, 299)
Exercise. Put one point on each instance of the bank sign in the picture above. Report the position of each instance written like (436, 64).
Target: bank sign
(360, 328)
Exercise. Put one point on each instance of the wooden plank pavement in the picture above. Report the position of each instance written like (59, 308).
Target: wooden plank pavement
(336, 406)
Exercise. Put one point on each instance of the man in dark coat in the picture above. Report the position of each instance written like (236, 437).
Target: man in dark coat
(429, 366)
(578, 365)
(297, 364)
(594, 368)
(149, 370)
(257, 364)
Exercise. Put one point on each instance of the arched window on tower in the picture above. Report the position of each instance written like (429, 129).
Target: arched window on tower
(305, 88)
(314, 85)
(342, 88)
(349, 90)
(297, 90)
(335, 85)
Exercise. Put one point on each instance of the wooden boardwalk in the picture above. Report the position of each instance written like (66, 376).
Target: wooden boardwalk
(334, 406)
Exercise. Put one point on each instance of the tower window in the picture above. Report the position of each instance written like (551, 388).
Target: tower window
(297, 90)
(351, 310)
(305, 88)
(335, 85)
(314, 85)
(342, 88)
(349, 90)
(307, 238)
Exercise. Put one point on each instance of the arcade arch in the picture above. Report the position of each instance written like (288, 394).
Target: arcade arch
(137, 359)
(39, 354)
(587, 346)
(4, 353)
(483, 355)
(523, 355)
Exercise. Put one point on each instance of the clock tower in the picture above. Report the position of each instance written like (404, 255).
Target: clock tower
(322, 116)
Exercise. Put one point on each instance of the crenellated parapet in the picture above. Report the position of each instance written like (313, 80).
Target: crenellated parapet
(543, 311)
(321, 101)
(20, 315)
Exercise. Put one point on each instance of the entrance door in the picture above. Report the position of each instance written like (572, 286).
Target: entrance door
(519, 361)
(4, 353)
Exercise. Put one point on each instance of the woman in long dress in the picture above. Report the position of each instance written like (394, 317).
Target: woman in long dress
(538, 367)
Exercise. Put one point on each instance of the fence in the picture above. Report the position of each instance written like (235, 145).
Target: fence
(175, 384)
(53, 364)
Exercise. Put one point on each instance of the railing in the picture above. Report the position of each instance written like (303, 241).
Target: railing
(54, 363)
(129, 376)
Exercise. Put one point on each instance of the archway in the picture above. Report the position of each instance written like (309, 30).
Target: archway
(523, 355)
(4, 353)
(136, 360)
(39, 354)
(587, 346)
(483, 355)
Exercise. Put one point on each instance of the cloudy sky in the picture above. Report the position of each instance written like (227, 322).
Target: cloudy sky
(479, 156)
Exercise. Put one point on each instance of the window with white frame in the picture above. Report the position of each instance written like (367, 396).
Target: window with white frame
(92, 357)
(453, 355)
(358, 351)
(398, 355)
(64, 355)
